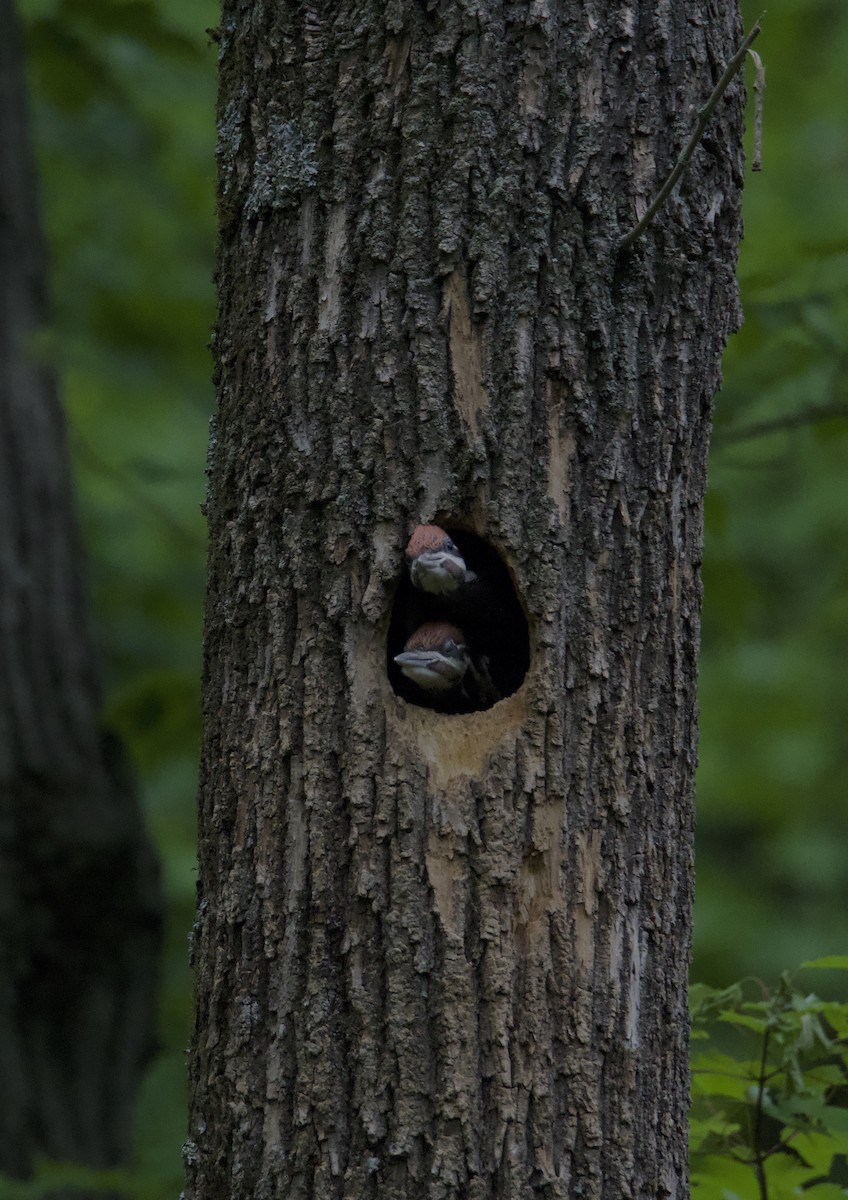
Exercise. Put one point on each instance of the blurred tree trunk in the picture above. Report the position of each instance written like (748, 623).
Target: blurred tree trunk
(446, 956)
(79, 895)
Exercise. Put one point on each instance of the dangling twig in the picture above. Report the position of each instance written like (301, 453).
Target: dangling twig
(689, 149)
(759, 88)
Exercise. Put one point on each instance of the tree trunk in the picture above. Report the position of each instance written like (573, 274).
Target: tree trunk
(79, 897)
(446, 955)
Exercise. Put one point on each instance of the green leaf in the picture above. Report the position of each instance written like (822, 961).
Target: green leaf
(755, 1024)
(786, 1176)
(705, 1003)
(718, 1074)
(836, 1119)
(716, 1127)
(795, 1111)
(817, 1149)
(717, 1177)
(836, 1015)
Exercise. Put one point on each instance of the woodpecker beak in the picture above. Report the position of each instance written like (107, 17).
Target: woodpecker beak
(435, 670)
(439, 571)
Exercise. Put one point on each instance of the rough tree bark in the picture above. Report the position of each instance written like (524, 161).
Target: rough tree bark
(446, 956)
(79, 895)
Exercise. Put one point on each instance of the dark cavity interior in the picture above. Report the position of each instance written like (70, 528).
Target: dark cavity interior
(490, 616)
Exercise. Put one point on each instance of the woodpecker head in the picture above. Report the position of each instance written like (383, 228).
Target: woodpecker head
(435, 657)
(435, 564)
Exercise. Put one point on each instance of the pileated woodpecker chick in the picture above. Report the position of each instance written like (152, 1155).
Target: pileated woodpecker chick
(463, 584)
(435, 564)
(435, 658)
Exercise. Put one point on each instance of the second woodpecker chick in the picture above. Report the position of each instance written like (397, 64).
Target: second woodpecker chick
(435, 658)
(435, 564)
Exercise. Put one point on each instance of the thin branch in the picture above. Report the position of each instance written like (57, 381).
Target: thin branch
(759, 90)
(807, 416)
(758, 1126)
(698, 132)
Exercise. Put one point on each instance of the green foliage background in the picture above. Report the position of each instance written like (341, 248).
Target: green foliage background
(769, 1066)
(123, 113)
(772, 883)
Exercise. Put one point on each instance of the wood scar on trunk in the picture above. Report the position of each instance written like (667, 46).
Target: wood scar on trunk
(331, 285)
(561, 449)
(457, 748)
(539, 889)
(466, 351)
(588, 858)
(447, 870)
